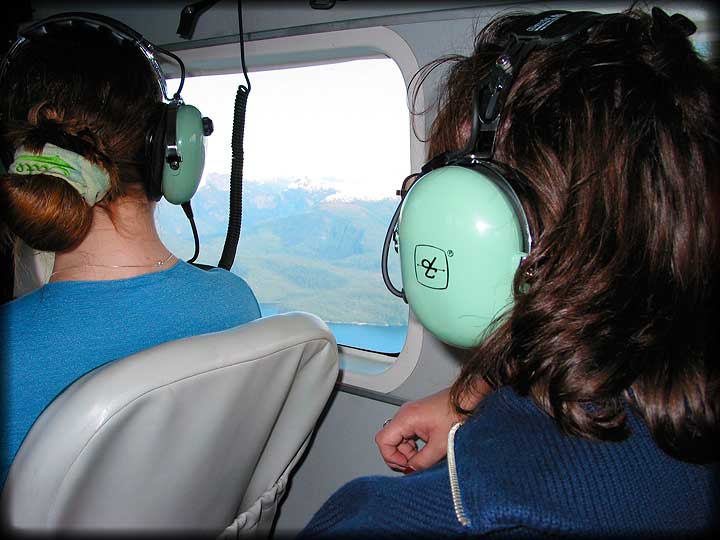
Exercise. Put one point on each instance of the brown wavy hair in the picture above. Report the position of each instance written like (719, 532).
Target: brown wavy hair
(80, 89)
(614, 135)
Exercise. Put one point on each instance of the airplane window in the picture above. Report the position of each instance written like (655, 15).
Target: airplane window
(326, 146)
(705, 49)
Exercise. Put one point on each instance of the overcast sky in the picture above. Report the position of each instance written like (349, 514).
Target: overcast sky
(347, 121)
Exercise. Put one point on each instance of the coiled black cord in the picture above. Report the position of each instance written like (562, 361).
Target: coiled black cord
(235, 214)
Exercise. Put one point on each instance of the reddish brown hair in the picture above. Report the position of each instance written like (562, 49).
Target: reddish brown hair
(615, 134)
(82, 90)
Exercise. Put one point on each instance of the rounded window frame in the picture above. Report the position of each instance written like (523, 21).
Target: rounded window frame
(324, 48)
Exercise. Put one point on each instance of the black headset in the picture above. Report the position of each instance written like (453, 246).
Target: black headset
(175, 152)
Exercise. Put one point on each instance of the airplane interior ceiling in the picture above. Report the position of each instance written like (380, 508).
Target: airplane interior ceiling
(260, 19)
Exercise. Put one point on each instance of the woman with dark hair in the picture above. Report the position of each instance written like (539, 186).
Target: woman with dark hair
(595, 396)
(76, 107)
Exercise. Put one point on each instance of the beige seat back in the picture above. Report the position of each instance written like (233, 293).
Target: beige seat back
(194, 435)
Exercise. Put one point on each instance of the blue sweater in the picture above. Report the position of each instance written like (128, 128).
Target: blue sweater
(518, 476)
(54, 335)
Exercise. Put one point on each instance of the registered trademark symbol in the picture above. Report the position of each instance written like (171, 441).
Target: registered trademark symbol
(450, 252)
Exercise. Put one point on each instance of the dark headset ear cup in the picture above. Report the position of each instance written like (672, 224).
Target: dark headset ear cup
(155, 152)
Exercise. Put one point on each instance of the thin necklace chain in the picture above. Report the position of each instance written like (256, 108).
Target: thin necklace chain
(156, 264)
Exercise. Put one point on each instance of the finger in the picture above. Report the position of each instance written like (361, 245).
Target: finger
(389, 439)
(407, 449)
(390, 453)
(395, 448)
(396, 461)
(430, 454)
(406, 469)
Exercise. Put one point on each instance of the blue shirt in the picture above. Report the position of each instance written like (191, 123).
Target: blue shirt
(519, 476)
(54, 335)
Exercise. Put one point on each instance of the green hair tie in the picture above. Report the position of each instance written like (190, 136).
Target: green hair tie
(90, 180)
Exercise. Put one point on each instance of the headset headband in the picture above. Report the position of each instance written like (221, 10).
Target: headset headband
(532, 32)
(174, 146)
(118, 29)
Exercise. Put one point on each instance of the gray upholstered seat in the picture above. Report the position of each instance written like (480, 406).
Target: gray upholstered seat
(196, 435)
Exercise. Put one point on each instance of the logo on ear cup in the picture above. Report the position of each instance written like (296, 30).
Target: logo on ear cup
(431, 267)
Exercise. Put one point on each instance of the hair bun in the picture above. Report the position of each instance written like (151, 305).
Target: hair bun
(45, 212)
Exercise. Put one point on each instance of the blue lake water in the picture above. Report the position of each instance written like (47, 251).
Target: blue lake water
(385, 339)
(372, 337)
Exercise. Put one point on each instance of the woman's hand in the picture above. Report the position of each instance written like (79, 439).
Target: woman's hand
(428, 419)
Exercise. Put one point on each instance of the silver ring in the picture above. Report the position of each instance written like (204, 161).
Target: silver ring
(386, 422)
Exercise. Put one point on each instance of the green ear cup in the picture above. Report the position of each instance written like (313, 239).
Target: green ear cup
(180, 184)
(460, 240)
